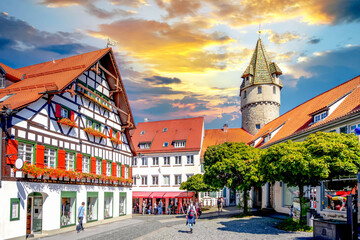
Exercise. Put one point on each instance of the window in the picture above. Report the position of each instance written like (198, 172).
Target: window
(165, 144)
(259, 90)
(89, 123)
(64, 113)
(166, 179)
(134, 181)
(69, 160)
(244, 94)
(50, 157)
(108, 204)
(93, 124)
(126, 171)
(96, 126)
(68, 208)
(26, 152)
(289, 195)
(190, 159)
(320, 116)
(343, 129)
(92, 206)
(145, 145)
(177, 179)
(155, 161)
(334, 193)
(144, 161)
(98, 166)
(155, 180)
(179, 144)
(2, 82)
(143, 180)
(178, 160)
(114, 133)
(118, 170)
(134, 162)
(165, 129)
(14, 209)
(166, 160)
(188, 176)
(142, 132)
(85, 164)
(257, 126)
(353, 127)
(274, 89)
(108, 168)
(122, 203)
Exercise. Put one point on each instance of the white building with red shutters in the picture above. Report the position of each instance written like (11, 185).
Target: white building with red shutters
(168, 154)
(68, 120)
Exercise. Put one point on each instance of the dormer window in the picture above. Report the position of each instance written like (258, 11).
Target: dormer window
(165, 129)
(142, 132)
(145, 145)
(165, 144)
(179, 144)
(259, 90)
(2, 81)
(319, 117)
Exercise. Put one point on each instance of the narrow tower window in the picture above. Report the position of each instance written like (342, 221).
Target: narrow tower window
(274, 89)
(259, 90)
(244, 94)
(257, 126)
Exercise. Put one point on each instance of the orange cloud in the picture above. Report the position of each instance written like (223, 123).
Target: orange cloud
(280, 38)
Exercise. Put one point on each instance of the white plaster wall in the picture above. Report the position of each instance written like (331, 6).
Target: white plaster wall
(267, 94)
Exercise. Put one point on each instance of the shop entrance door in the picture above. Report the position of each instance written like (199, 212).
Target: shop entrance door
(34, 213)
(232, 197)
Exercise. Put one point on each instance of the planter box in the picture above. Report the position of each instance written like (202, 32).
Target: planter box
(83, 180)
(73, 179)
(88, 180)
(96, 181)
(54, 178)
(61, 178)
(66, 179)
(46, 177)
(330, 230)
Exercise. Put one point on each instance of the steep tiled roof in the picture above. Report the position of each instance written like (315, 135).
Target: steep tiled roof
(299, 119)
(218, 136)
(11, 74)
(189, 129)
(261, 67)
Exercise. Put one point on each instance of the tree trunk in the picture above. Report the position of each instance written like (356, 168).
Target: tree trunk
(301, 197)
(245, 199)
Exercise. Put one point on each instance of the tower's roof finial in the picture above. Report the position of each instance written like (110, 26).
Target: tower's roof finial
(259, 30)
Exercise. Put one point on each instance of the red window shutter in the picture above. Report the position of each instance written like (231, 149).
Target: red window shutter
(57, 111)
(79, 162)
(130, 172)
(104, 167)
(123, 171)
(93, 165)
(118, 135)
(72, 116)
(61, 159)
(12, 150)
(40, 151)
(114, 169)
(110, 133)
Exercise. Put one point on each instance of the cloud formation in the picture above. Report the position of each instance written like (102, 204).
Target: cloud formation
(280, 38)
(163, 80)
(314, 40)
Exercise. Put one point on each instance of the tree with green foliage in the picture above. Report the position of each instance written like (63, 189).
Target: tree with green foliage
(196, 183)
(234, 165)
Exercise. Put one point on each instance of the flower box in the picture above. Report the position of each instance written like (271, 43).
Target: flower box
(53, 178)
(68, 122)
(82, 180)
(96, 180)
(46, 177)
(30, 176)
(61, 178)
(100, 181)
(88, 180)
(66, 178)
(94, 132)
(115, 140)
(73, 179)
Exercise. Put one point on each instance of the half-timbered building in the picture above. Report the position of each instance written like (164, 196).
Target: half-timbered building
(68, 121)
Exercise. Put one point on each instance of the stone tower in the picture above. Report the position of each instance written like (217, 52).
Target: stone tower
(260, 91)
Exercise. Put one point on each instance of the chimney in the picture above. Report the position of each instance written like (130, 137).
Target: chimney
(146, 119)
(225, 127)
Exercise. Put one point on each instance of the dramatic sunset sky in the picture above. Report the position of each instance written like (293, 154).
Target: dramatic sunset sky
(185, 58)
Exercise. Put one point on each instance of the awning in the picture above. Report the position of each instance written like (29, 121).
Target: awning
(157, 194)
(186, 194)
(141, 194)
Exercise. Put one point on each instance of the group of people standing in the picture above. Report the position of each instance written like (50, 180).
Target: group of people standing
(157, 208)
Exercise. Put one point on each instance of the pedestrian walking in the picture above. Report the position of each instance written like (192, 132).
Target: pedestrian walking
(143, 207)
(155, 209)
(219, 205)
(81, 216)
(191, 216)
(161, 207)
(222, 204)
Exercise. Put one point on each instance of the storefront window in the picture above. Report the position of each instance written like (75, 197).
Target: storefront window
(92, 206)
(122, 204)
(108, 205)
(68, 208)
(290, 195)
(336, 192)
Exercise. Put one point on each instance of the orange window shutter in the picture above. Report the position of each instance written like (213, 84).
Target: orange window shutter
(123, 171)
(12, 151)
(114, 169)
(79, 162)
(118, 135)
(93, 165)
(72, 116)
(61, 159)
(104, 167)
(40, 151)
(57, 111)
(130, 173)
(110, 133)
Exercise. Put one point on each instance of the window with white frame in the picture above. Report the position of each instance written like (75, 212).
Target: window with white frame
(108, 168)
(2, 81)
(144, 161)
(118, 170)
(189, 176)
(126, 172)
(155, 180)
(64, 113)
(177, 179)
(145, 145)
(155, 161)
(353, 127)
(166, 160)
(259, 90)
(165, 144)
(178, 160)
(69, 160)
(320, 116)
(26, 152)
(143, 180)
(134, 181)
(134, 162)
(50, 157)
(190, 159)
(85, 164)
(207, 194)
(179, 144)
(98, 166)
(166, 179)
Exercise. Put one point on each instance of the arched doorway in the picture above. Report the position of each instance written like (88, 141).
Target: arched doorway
(34, 213)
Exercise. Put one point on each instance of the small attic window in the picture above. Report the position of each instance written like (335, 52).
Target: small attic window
(2, 81)
(319, 117)
(165, 144)
(142, 132)
(257, 126)
(6, 97)
(165, 129)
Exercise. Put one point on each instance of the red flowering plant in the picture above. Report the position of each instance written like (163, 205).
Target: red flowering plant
(32, 170)
(68, 122)
(113, 179)
(94, 132)
(92, 98)
(70, 174)
(89, 175)
(115, 140)
(129, 180)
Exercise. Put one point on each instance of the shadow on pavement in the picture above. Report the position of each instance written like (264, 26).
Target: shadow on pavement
(182, 231)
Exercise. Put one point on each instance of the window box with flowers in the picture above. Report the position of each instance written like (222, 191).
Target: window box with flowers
(94, 132)
(65, 116)
(115, 136)
(93, 95)
(67, 122)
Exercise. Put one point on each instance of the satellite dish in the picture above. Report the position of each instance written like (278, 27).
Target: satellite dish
(19, 163)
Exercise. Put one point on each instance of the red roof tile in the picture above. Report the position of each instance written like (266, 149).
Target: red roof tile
(218, 136)
(189, 129)
(12, 74)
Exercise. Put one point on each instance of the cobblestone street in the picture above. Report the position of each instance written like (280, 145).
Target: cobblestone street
(173, 227)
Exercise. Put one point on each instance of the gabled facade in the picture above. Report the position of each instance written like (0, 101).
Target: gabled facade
(69, 121)
(168, 154)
